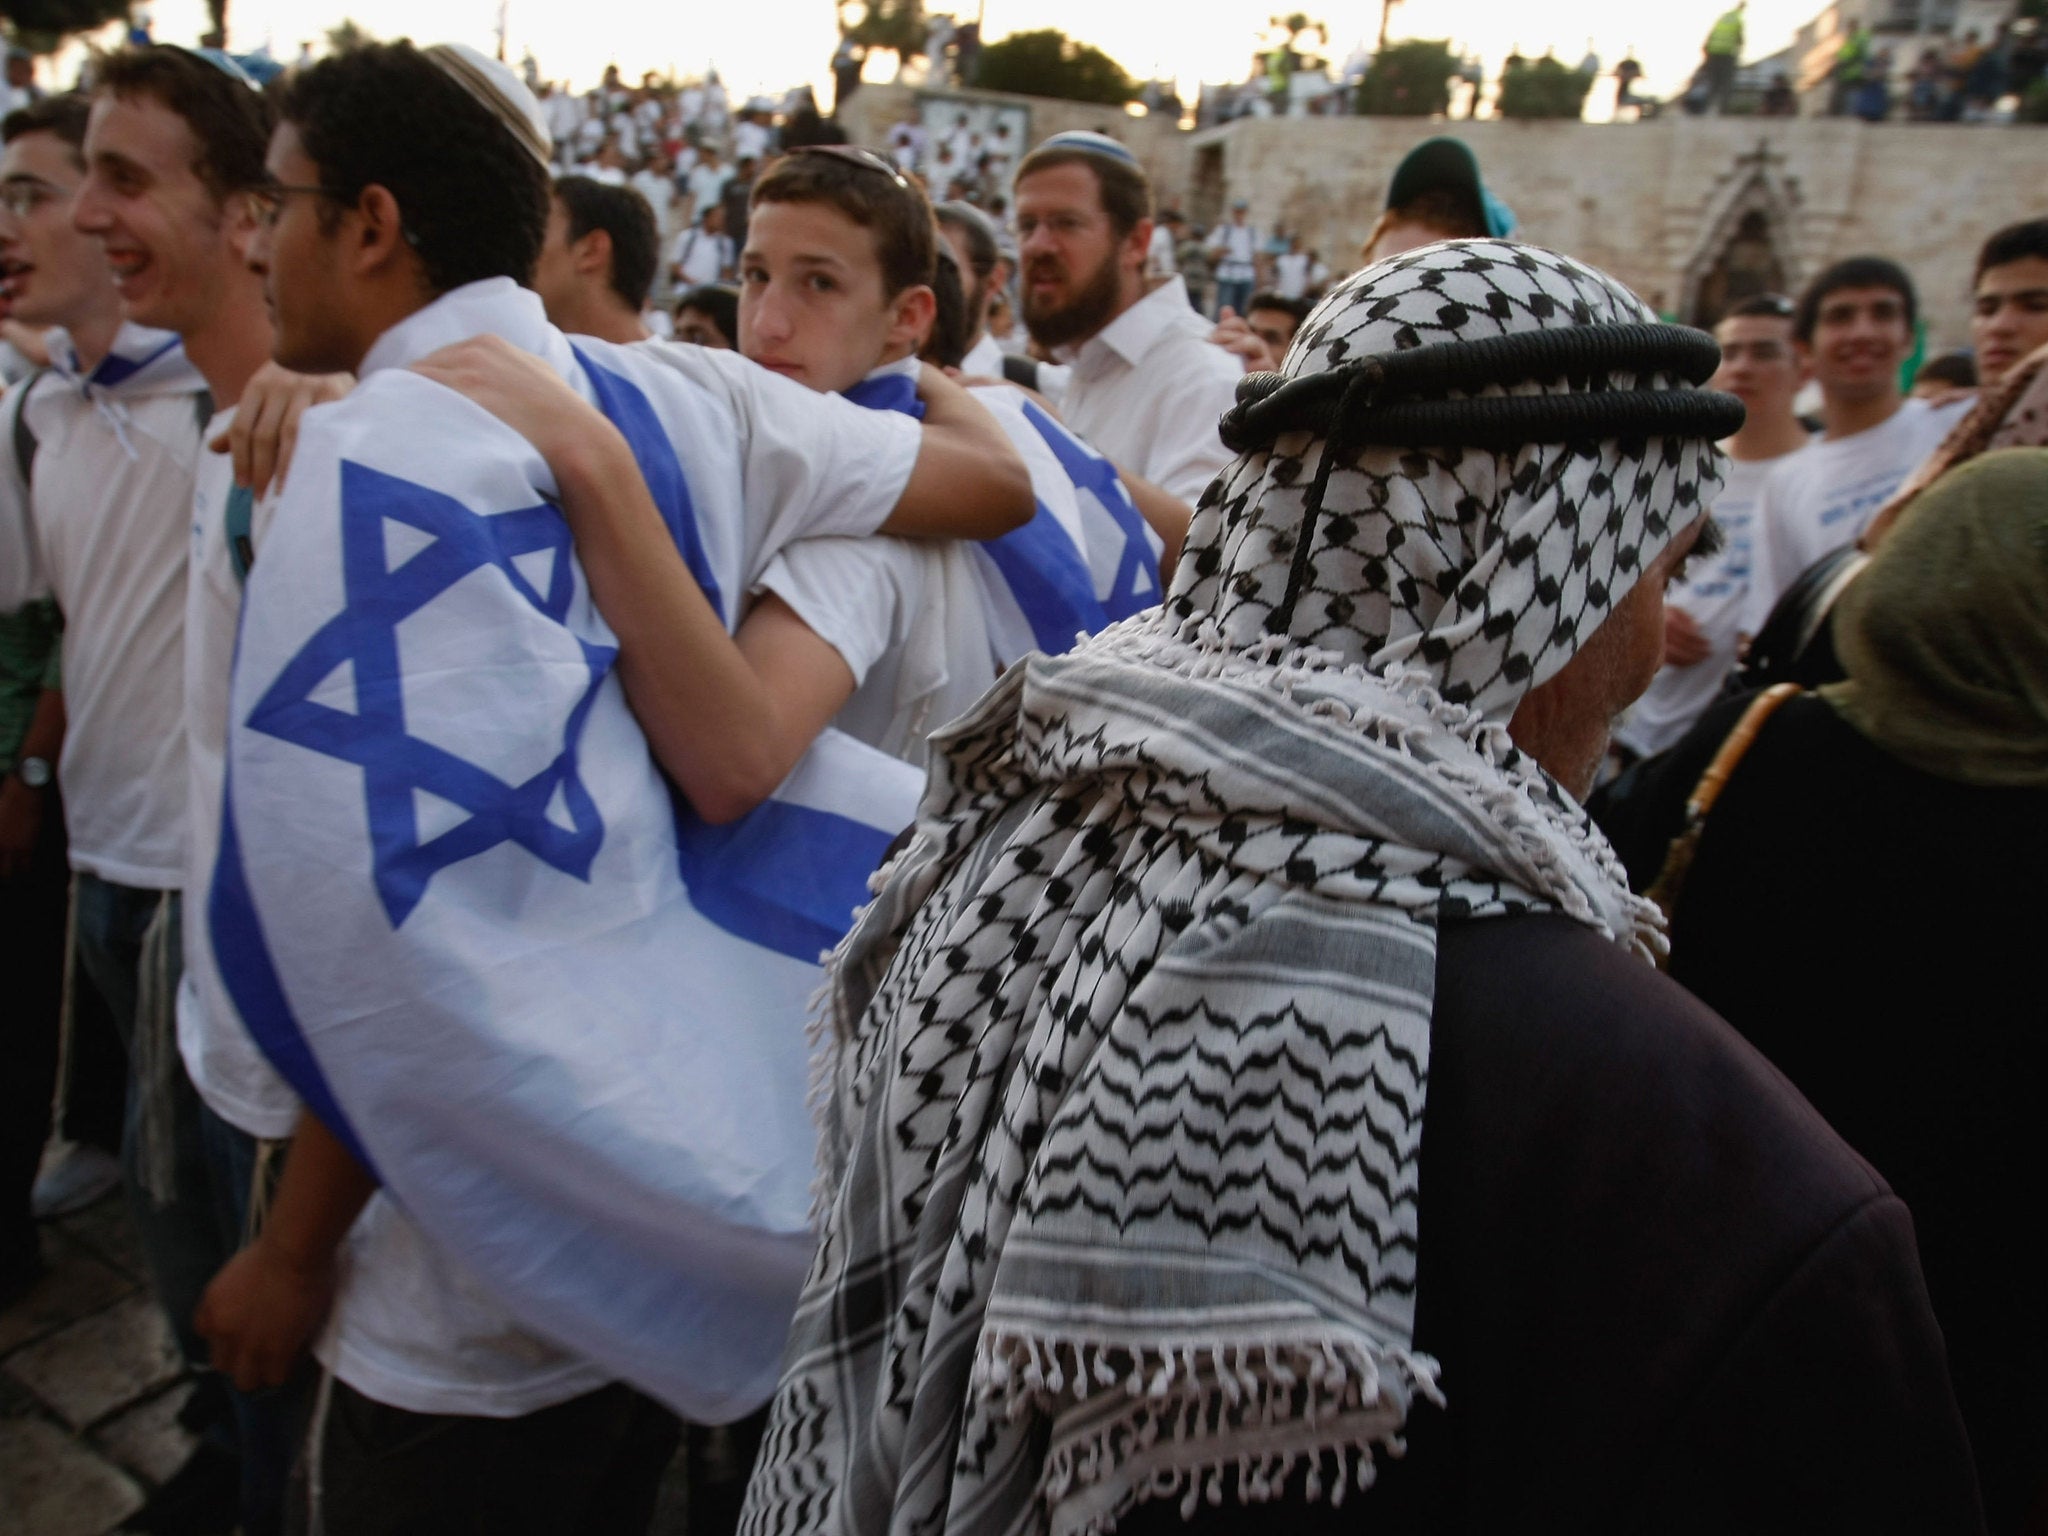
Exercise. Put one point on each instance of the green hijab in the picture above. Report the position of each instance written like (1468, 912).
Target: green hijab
(1945, 633)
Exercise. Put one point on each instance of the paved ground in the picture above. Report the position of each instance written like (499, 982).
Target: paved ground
(90, 1390)
(89, 1386)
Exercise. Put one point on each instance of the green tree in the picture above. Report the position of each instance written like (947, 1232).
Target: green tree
(892, 26)
(1049, 63)
(348, 33)
(1544, 87)
(41, 25)
(1409, 79)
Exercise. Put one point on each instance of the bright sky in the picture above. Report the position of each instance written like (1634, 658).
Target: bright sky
(766, 46)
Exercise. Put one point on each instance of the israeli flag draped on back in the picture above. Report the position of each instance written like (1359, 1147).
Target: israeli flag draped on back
(1086, 560)
(458, 906)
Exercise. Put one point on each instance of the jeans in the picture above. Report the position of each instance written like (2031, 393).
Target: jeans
(130, 945)
(1234, 293)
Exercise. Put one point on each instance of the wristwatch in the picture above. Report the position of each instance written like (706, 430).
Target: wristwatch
(35, 772)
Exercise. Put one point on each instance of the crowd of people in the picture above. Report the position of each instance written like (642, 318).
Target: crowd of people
(669, 790)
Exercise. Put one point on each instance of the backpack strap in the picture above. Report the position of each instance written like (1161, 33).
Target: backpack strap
(1018, 369)
(25, 435)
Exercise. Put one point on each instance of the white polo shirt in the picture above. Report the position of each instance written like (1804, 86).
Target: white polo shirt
(1148, 389)
(105, 532)
(232, 1074)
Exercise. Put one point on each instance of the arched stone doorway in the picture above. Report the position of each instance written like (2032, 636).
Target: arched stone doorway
(1747, 266)
(1747, 239)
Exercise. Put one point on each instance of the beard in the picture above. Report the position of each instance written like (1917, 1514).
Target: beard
(1092, 307)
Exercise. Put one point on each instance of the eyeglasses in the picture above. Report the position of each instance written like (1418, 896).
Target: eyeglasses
(268, 200)
(853, 154)
(24, 196)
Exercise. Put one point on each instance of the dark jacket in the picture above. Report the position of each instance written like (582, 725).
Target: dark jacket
(1666, 1298)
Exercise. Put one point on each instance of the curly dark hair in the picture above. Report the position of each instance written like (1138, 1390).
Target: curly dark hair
(230, 119)
(623, 214)
(474, 202)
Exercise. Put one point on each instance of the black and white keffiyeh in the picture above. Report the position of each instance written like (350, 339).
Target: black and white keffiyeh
(1125, 1068)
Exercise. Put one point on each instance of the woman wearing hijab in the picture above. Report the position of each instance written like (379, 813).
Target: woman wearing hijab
(1864, 905)
(1252, 1069)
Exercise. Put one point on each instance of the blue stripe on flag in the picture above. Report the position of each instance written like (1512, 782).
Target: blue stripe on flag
(633, 414)
(1090, 471)
(786, 877)
(1050, 580)
(242, 955)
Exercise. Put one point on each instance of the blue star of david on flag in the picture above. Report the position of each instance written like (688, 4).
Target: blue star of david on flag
(551, 815)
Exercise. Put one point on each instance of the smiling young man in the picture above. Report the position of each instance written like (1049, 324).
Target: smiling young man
(2009, 318)
(1147, 388)
(408, 190)
(174, 158)
(1704, 608)
(100, 522)
(1853, 329)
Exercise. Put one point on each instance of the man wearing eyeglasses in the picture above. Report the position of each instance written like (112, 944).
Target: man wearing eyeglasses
(174, 153)
(95, 508)
(1703, 608)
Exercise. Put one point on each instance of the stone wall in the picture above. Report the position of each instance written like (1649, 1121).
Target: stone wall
(1654, 203)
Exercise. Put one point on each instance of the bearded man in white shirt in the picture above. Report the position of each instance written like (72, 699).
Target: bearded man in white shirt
(1146, 387)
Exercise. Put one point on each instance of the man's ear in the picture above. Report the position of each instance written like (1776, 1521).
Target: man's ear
(239, 221)
(592, 255)
(913, 311)
(1139, 245)
(379, 238)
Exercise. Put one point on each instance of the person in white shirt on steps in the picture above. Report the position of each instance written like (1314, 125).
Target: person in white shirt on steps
(1703, 609)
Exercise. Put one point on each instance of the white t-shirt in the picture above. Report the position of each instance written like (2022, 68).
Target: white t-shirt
(1715, 593)
(658, 189)
(1237, 249)
(105, 533)
(1290, 274)
(1824, 496)
(749, 141)
(702, 257)
(1147, 390)
(767, 462)
(1159, 256)
(707, 185)
(906, 618)
(232, 1074)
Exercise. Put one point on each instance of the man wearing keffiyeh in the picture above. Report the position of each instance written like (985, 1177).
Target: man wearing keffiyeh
(1251, 1072)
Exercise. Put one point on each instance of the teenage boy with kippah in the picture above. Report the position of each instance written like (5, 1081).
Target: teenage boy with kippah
(407, 197)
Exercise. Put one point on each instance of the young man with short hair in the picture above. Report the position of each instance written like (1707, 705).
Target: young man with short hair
(2010, 315)
(709, 316)
(175, 152)
(1146, 388)
(1274, 318)
(1704, 605)
(1853, 329)
(100, 523)
(597, 260)
(408, 192)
